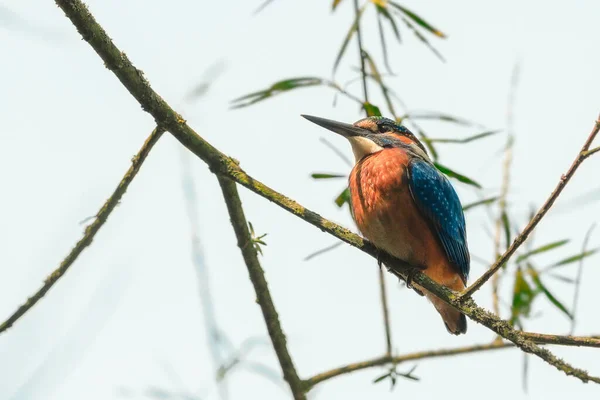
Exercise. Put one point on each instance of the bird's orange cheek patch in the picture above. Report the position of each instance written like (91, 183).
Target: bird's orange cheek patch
(404, 139)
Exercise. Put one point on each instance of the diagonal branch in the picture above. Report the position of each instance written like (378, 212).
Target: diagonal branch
(220, 164)
(379, 361)
(257, 276)
(90, 230)
(578, 341)
(564, 179)
(591, 341)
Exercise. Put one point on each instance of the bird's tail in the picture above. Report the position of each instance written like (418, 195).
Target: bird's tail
(455, 321)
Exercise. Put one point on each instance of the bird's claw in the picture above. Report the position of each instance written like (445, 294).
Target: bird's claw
(410, 276)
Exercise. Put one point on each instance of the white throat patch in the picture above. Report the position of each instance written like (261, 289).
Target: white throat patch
(361, 146)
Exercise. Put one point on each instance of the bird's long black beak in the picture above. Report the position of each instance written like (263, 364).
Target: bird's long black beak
(341, 128)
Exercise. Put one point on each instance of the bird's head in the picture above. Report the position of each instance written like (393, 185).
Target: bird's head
(373, 134)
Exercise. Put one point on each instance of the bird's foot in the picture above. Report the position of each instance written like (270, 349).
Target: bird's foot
(410, 276)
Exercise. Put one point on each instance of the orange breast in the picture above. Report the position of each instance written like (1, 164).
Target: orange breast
(386, 214)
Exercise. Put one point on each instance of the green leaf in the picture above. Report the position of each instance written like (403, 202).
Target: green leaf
(321, 175)
(561, 278)
(506, 226)
(386, 59)
(425, 137)
(263, 6)
(467, 139)
(335, 4)
(418, 20)
(523, 296)
(382, 12)
(275, 89)
(441, 117)
(423, 39)
(542, 249)
(456, 175)
(382, 377)
(351, 32)
(322, 251)
(343, 197)
(540, 286)
(480, 203)
(574, 258)
(371, 109)
(379, 79)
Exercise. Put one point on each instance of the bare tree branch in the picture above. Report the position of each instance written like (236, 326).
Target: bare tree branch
(257, 276)
(564, 179)
(590, 341)
(90, 230)
(379, 361)
(578, 341)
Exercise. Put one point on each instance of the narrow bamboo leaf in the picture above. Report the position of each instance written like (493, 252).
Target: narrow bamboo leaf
(263, 6)
(418, 20)
(425, 137)
(542, 249)
(337, 151)
(321, 175)
(379, 79)
(423, 39)
(384, 12)
(506, 227)
(382, 377)
(349, 35)
(574, 258)
(386, 60)
(343, 197)
(467, 139)
(275, 89)
(480, 203)
(441, 117)
(523, 296)
(371, 109)
(561, 278)
(411, 377)
(540, 286)
(456, 175)
(322, 251)
(335, 4)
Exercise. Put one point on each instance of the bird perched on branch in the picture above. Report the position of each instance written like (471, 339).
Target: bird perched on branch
(405, 206)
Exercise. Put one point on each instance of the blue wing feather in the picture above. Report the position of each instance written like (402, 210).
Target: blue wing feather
(436, 199)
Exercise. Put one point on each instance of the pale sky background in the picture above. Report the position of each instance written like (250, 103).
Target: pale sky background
(127, 316)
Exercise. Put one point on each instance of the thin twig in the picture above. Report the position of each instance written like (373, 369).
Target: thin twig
(383, 293)
(564, 179)
(386, 313)
(579, 341)
(379, 361)
(360, 52)
(508, 153)
(257, 276)
(578, 279)
(90, 230)
(221, 164)
(589, 341)
(214, 335)
(500, 220)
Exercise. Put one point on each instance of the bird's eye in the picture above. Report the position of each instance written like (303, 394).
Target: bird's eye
(382, 128)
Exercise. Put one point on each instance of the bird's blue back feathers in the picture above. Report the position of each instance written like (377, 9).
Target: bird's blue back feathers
(436, 199)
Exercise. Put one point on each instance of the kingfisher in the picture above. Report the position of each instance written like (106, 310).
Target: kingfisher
(406, 207)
